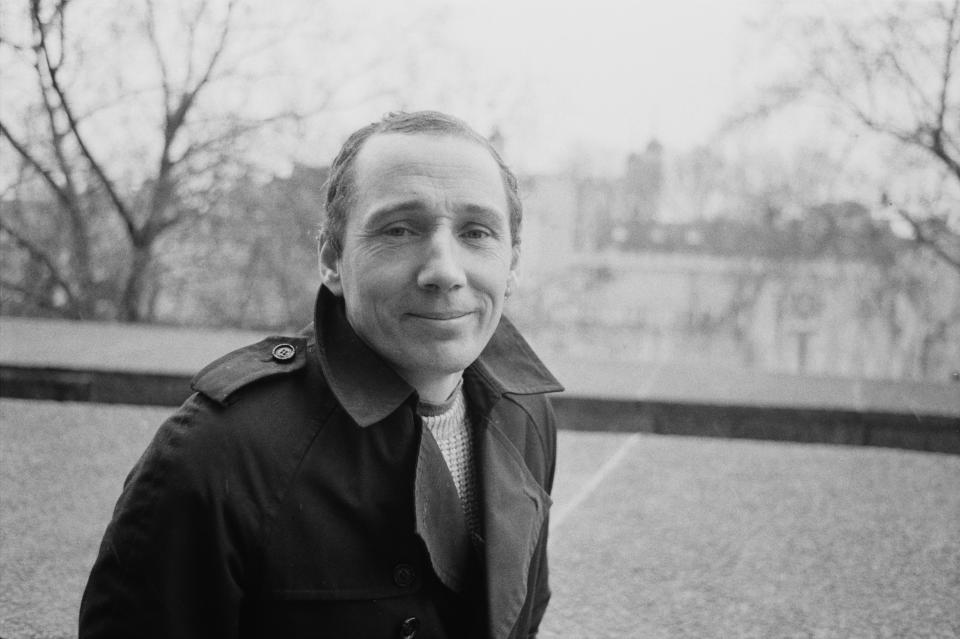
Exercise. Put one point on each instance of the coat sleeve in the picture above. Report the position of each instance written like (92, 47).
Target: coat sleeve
(170, 561)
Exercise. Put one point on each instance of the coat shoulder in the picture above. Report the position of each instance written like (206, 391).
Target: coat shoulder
(531, 425)
(539, 410)
(271, 357)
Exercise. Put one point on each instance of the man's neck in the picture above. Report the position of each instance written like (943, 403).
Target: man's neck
(433, 389)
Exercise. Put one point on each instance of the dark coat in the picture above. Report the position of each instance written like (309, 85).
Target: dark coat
(297, 498)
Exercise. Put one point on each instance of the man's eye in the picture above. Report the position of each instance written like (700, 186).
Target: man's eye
(397, 231)
(477, 234)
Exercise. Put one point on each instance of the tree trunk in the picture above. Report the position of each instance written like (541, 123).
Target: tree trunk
(132, 306)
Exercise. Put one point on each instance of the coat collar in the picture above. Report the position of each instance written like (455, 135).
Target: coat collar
(369, 389)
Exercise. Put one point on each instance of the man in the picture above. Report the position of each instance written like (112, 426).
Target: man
(387, 472)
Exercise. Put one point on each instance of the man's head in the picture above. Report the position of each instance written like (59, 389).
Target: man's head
(424, 251)
(341, 188)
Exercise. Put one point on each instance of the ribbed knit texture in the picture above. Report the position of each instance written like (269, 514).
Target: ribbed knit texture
(450, 426)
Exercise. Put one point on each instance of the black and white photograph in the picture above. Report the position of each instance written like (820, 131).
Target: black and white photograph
(447, 319)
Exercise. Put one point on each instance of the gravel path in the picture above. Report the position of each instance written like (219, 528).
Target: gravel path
(679, 537)
(61, 469)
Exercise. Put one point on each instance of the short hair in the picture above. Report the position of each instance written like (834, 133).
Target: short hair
(341, 185)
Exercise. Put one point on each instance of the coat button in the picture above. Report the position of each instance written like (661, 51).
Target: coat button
(404, 575)
(409, 628)
(284, 352)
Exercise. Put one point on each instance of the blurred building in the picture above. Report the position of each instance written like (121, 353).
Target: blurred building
(640, 190)
(251, 262)
(828, 291)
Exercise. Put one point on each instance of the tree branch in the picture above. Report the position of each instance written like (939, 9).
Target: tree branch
(910, 80)
(176, 120)
(924, 137)
(922, 237)
(158, 53)
(53, 69)
(938, 146)
(929, 134)
(39, 255)
(174, 123)
(21, 150)
(235, 132)
(56, 135)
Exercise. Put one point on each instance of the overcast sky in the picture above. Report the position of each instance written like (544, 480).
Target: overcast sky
(565, 77)
(565, 81)
(613, 73)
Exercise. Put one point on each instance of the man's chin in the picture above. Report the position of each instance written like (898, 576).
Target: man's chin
(460, 328)
(448, 360)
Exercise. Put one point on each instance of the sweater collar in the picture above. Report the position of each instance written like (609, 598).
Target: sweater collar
(370, 390)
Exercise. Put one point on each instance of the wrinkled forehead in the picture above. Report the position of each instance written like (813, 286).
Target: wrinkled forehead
(443, 162)
(423, 142)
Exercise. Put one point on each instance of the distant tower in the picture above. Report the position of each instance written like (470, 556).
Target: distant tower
(642, 187)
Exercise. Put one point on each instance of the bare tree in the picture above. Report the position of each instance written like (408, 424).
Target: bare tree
(888, 69)
(113, 156)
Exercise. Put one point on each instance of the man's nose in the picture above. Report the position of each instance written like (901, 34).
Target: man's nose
(441, 269)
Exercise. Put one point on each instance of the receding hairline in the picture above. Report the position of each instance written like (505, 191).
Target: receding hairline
(438, 135)
(456, 134)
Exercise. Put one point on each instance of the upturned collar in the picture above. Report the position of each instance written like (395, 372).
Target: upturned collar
(370, 390)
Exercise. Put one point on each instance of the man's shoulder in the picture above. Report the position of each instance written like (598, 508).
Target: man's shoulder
(256, 398)
(538, 407)
(534, 412)
(239, 437)
(277, 356)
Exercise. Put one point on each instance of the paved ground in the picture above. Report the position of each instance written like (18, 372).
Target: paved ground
(689, 537)
(653, 536)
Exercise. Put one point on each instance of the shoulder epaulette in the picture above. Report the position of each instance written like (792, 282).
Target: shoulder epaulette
(274, 355)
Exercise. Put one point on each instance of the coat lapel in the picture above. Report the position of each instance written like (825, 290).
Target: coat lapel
(440, 521)
(515, 509)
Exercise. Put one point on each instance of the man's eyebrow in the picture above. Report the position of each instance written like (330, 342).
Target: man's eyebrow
(392, 208)
(486, 214)
(483, 213)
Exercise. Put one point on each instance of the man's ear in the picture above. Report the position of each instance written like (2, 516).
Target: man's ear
(513, 283)
(330, 266)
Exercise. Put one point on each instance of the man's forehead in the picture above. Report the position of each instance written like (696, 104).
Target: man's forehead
(399, 145)
(390, 161)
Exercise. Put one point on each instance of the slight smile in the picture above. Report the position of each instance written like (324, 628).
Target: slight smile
(441, 315)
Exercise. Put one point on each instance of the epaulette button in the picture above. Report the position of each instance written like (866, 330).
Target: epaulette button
(284, 352)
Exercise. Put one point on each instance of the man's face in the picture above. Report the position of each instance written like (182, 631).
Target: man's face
(427, 252)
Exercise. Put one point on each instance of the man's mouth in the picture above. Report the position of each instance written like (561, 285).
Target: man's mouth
(440, 315)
